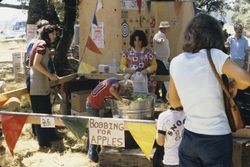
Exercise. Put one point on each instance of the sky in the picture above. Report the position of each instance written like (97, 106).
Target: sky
(10, 15)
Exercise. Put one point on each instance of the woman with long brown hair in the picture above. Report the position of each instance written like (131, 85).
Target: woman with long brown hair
(207, 139)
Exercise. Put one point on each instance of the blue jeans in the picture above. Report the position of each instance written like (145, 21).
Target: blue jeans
(93, 150)
(197, 150)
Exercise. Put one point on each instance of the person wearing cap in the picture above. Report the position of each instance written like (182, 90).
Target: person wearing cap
(161, 47)
(110, 87)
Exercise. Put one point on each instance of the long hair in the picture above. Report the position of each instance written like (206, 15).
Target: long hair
(44, 34)
(142, 36)
(203, 32)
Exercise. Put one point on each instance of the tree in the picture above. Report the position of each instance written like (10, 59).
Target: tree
(209, 6)
(45, 9)
(61, 62)
(21, 6)
(242, 14)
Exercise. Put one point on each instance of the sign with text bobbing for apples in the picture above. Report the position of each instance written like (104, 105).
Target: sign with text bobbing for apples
(106, 132)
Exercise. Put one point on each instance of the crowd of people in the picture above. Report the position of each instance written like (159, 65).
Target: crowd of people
(207, 138)
(194, 131)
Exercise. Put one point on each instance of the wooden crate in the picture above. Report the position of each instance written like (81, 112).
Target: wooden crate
(78, 100)
(241, 152)
(115, 157)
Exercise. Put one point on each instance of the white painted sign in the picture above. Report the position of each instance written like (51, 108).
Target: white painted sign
(98, 34)
(47, 122)
(131, 5)
(106, 132)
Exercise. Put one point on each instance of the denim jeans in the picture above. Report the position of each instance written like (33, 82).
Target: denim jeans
(171, 166)
(197, 150)
(93, 150)
(92, 111)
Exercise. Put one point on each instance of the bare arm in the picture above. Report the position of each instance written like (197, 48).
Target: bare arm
(37, 65)
(227, 43)
(115, 93)
(174, 99)
(240, 76)
(160, 139)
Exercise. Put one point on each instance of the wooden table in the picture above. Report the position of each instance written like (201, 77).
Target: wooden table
(119, 76)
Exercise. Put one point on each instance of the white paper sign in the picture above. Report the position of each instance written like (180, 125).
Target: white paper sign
(131, 5)
(97, 34)
(47, 122)
(106, 132)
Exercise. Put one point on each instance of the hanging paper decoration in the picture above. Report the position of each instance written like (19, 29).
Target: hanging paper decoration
(139, 4)
(12, 128)
(144, 135)
(149, 5)
(3, 99)
(76, 125)
(94, 20)
(92, 46)
(99, 5)
(85, 68)
(177, 7)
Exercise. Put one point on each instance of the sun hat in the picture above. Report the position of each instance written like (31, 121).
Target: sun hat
(164, 24)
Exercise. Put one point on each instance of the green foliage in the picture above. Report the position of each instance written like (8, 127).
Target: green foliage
(243, 15)
(140, 96)
(59, 7)
(209, 6)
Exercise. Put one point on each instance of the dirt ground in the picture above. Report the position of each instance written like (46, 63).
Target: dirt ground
(26, 153)
(26, 149)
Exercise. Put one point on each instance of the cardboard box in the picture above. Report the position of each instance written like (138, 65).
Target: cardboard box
(241, 152)
(78, 100)
(103, 68)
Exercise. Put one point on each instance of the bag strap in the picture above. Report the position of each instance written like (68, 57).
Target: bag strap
(231, 101)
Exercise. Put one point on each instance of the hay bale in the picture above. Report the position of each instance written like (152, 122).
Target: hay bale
(12, 104)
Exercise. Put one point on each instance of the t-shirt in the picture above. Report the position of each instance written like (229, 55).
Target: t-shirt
(200, 92)
(238, 47)
(39, 83)
(162, 49)
(171, 122)
(101, 91)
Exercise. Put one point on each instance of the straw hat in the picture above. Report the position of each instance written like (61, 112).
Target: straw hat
(164, 24)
